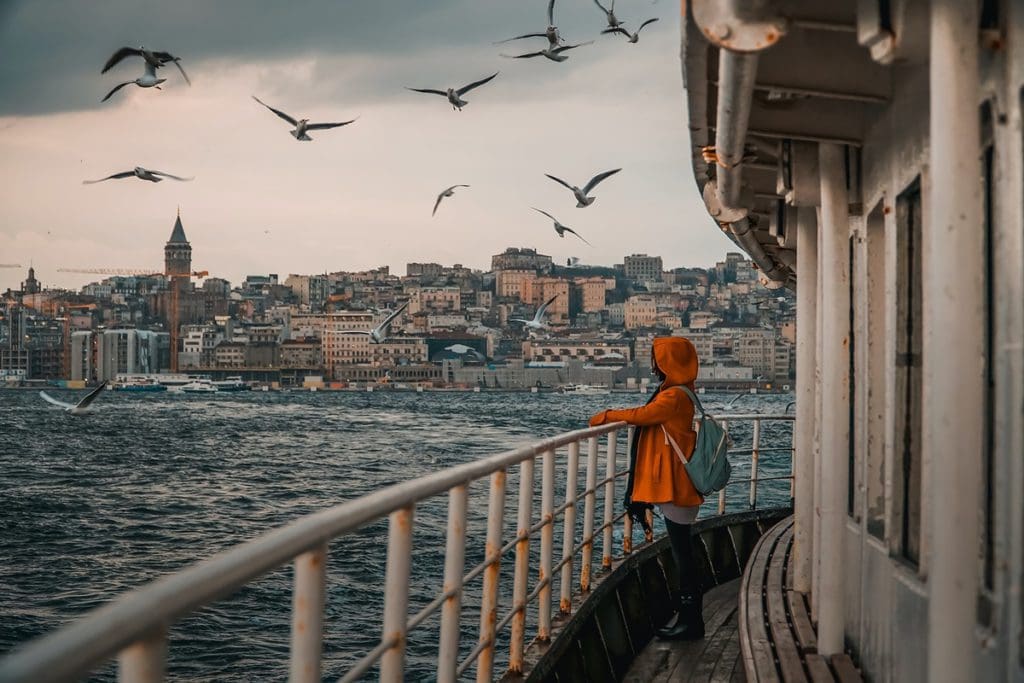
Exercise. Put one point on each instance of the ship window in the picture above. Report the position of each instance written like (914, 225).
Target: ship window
(873, 350)
(908, 370)
(851, 478)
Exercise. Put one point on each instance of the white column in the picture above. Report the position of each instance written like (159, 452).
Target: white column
(806, 341)
(816, 446)
(835, 393)
(953, 318)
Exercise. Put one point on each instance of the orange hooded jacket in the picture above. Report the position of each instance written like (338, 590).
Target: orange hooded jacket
(658, 474)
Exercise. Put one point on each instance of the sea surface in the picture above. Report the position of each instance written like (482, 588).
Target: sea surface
(150, 483)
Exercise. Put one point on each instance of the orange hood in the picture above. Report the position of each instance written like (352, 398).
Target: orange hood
(677, 359)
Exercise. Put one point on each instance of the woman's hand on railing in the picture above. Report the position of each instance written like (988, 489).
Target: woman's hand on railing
(599, 419)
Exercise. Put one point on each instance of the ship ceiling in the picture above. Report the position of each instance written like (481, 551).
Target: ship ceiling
(815, 84)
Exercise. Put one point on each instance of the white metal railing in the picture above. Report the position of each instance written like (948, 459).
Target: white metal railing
(134, 627)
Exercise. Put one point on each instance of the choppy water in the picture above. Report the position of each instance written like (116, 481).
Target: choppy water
(90, 507)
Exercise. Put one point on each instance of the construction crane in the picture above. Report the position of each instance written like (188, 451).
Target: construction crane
(172, 318)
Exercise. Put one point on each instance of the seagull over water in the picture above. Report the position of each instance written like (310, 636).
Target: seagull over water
(152, 58)
(559, 228)
(551, 52)
(450, 192)
(609, 14)
(582, 200)
(302, 125)
(633, 37)
(454, 95)
(379, 334)
(146, 80)
(538, 319)
(80, 408)
(140, 173)
(551, 32)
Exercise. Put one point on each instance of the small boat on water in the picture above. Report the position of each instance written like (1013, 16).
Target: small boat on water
(589, 389)
(137, 384)
(200, 386)
(231, 384)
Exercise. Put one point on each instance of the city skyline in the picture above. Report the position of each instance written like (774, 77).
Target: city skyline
(357, 197)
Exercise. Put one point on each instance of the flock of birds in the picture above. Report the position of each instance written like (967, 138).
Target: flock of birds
(555, 50)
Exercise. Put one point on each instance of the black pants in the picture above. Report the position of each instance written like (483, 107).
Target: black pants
(682, 550)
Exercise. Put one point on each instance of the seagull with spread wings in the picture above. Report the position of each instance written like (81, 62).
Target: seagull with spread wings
(153, 58)
(538, 319)
(609, 14)
(379, 334)
(551, 32)
(146, 80)
(582, 198)
(302, 125)
(454, 95)
(559, 228)
(551, 52)
(450, 192)
(80, 408)
(140, 173)
(633, 37)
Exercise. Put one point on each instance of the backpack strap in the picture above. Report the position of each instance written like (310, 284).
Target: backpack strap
(693, 399)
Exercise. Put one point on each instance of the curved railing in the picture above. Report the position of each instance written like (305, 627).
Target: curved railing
(133, 628)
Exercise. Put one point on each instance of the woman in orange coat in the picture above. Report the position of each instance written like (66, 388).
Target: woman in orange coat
(658, 477)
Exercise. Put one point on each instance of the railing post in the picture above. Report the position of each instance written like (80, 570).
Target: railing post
(754, 456)
(569, 528)
(522, 570)
(589, 501)
(609, 500)
(721, 493)
(489, 600)
(547, 543)
(144, 661)
(396, 593)
(454, 566)
(308, 616)
(627, 525)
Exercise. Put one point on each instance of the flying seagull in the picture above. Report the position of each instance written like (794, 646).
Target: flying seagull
(633, 37)
(302, 125)
(380, 333)
(152, 58)
(80, 408)
(609, 14)
(559, 228)
(140, 173)
(582, 199)
(538, 319)
(551, 52)
(146, 80)
(551, 32)
(455, 95)
(447, 193)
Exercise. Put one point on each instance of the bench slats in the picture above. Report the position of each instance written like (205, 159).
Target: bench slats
(846, 672)
(758, 657)
(786, 651)
(806, 638)
(817, 667)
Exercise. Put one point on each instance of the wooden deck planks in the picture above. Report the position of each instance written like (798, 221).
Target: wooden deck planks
(754, 638)
(786, 652)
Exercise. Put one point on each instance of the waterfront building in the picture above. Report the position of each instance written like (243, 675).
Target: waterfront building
(537, 291)
(435, 300)
(640, 311)
(642, 268)
(521, 259)
(131, 352)
(564, 350)
(509, 284)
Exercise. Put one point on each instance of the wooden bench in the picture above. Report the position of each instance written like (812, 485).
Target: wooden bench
(777, 637)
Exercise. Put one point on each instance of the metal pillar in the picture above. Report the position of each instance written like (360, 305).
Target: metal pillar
(835, 394)
(953, 317)
(308, 616)
(806, 329)
(816, 451)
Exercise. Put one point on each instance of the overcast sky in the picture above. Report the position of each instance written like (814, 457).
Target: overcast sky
(355, 197)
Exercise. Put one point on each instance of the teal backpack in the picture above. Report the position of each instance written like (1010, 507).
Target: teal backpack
(708, 467)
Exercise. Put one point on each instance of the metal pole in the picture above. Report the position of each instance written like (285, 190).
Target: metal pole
(627, 525)
(547, 543)
(588, 515)
(454, 566)
(489, 600)
(308, 616)
(953, 271)
(754, 456)
(144, 661)
(803, 430)
(721, 493)
(396, 593)
(522, 569)
(569, 527)
(818, 355)
(609, 499)
(835, 393)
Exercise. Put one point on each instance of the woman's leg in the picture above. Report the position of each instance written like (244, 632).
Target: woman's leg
(690, 622)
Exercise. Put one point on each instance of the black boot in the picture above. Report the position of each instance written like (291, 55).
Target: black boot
(689, 624)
